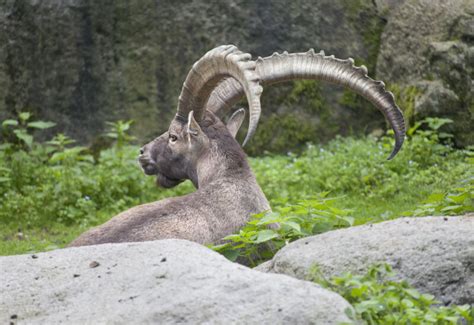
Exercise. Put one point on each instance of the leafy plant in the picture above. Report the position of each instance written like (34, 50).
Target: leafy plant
(267, 232)
(56, 184)
(119, 132)
(456, 201)
(378, 299)
(21, 128)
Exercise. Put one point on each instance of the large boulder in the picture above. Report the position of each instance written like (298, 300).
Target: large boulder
(427, 46)
(168, 281)
(434, 254)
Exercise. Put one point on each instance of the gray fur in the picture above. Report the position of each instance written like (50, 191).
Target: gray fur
(201, 148)
(227, 191)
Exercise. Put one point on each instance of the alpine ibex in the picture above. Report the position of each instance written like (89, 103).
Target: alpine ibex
(199, 147)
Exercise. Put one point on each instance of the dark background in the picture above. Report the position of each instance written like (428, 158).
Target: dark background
(80, 63)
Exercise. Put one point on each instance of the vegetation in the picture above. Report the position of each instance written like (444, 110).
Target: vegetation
(428, 177)
(52, 191)
(378, 299)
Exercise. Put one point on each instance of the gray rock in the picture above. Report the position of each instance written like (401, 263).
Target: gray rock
(434, 254)
(436, 100)
(168, 281)
(431, 41)
(79, 63)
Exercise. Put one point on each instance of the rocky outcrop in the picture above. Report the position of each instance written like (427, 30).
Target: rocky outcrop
(429, 45)
(434, 254)
(80, 62)
(164, 282)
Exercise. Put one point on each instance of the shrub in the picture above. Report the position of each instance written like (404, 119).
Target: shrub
(378, 299)
(60, 183)
(257, 241)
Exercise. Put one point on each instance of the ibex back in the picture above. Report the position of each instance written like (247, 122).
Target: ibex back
(199, 147)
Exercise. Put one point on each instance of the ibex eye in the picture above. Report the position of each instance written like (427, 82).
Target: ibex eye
(173, 138)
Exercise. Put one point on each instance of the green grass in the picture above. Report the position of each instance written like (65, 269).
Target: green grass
(21, 241)
(51, 192)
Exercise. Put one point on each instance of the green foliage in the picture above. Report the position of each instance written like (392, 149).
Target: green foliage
(267, 232)
(378, 299)
(456, 201)
(55, 184)
(20, 131)
(275, 131)
(406, 96)
(358, 169)
(118, 131)
(279, 130)
(357, 172)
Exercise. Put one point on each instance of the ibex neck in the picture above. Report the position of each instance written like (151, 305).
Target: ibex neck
(215, 165)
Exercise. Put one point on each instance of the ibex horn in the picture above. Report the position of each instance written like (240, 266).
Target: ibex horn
(222, 62)
(311, 65)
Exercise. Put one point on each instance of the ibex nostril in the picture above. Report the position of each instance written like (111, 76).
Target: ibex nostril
(142, 151)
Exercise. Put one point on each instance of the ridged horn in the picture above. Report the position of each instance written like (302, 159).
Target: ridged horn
(311, 65)
(222, 62)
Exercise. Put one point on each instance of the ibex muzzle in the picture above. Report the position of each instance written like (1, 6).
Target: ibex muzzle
(199, 147)
(156, 158)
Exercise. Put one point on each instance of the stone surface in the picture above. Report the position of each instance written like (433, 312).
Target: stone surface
(165, 282)
(80, 62)
(431, 41)
(434, 254)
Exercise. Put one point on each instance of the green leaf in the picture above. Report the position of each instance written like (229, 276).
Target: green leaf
(234, 238)
(321, 227)
(292, 225)
(451, 208)
(24, 116)
(25, 137)
(269, 217)
(435, 197)
(349, 313)
(413, 292)
(435, 123)
(413, 129)
(349, 220)
(230, 254)
(5, 146)
(10, 122)
(41, 125)
(265, 235)
(444, 135)
(458, 198)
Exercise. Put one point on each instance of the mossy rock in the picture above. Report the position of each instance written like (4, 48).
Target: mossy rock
(80, 63)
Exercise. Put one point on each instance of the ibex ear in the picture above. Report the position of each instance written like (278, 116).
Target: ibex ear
(235, 121)
(193, 128)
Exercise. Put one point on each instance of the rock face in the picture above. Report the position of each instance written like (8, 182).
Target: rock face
(80, 62)
(165, 282)
(434, 254)
(429, 45)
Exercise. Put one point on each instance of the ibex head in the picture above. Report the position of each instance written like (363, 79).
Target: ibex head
(174, 156)
(219, 79)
